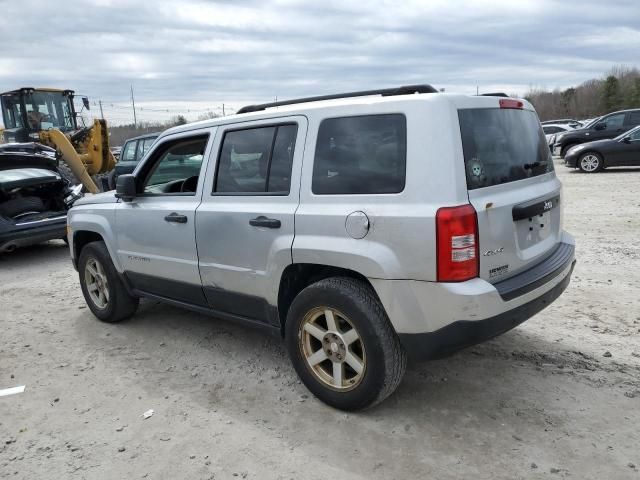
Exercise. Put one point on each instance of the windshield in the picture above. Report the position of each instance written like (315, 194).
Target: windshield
(629, 133)
(502, 145)
(591, 123)
(47, 110)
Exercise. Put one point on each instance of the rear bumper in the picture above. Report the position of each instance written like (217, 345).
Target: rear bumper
(433, 319)
(465, 333)
(29, 233)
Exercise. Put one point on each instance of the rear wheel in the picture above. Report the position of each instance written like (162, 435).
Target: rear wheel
(101, 285)
(590, 162)
(342, 344)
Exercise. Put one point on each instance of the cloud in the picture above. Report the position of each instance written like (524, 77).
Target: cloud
(246, 51)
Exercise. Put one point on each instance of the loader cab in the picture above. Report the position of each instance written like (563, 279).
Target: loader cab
(27, 111)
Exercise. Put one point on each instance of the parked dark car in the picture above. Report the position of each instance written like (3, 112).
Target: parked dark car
(34, 196)
(608, 126)
(591, 157)
(131, 153)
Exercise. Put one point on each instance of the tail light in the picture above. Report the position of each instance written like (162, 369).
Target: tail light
(457, 243)
(511, 103)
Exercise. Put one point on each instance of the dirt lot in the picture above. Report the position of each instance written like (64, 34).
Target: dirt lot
(557, 397)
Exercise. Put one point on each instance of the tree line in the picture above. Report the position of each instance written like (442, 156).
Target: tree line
(619, 89)
(121, 133)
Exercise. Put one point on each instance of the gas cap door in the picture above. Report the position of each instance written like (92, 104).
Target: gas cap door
(357, 225)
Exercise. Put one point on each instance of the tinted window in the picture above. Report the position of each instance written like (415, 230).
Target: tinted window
(635, 135)
(502, 145)
(178, 162)
(129, 152)
(256, 160)
(361, 155)
(633, 118)
(614, 121)
(549, 130)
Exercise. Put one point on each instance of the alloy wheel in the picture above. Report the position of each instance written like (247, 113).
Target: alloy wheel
(95, 281)
(590, 163)
(332, 348)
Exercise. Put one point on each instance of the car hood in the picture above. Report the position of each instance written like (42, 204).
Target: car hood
(27, 177)
(97, 198)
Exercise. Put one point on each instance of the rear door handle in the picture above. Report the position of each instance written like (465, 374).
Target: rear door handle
(263, 221)
(176, 218)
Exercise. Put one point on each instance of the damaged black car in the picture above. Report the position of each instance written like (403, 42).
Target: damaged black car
(34, 196)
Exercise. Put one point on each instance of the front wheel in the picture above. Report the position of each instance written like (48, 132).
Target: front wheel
(590, 162)
(101, 285)
(342, 344)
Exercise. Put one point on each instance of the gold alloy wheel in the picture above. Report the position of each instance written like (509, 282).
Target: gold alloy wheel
(332, 348)
(96, 282)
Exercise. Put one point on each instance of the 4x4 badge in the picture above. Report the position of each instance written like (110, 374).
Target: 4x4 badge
(490, 253)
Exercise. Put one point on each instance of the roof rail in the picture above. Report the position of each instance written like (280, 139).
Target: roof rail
(496, 94)
(385, 92)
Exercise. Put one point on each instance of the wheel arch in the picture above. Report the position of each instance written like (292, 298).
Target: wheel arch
(297, 276)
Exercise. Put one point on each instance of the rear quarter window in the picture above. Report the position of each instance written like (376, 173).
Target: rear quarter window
(502, 145)
(360, 155)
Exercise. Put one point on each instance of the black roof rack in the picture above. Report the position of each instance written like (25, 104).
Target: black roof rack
(385, 92)
(496, 94)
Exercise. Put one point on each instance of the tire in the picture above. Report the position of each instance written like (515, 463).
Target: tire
(119, 304)
(565, 149)
(590, 162)
(382, 359)
(19, 205)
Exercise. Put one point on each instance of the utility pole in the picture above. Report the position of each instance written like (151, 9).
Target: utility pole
(101, 114)
(477, 90)
(133, 104)
(223, 110)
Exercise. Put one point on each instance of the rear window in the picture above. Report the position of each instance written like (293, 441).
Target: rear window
(502, 145)
(360, 155)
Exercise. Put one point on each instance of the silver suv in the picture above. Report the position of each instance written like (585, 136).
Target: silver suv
(362, 228)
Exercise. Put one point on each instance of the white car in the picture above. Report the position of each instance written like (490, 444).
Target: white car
(361, 228)
(551, 130)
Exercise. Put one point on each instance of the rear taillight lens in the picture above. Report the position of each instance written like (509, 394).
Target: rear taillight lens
(457, 243)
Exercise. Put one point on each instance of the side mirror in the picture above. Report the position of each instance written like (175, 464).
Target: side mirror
(85, 102)
(600, 126)
(627, 139)
(126, 187)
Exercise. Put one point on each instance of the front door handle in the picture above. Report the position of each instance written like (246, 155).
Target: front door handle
(176, 218)
(263, 221)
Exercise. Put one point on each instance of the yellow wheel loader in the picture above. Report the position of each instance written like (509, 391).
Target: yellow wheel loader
(48, 116)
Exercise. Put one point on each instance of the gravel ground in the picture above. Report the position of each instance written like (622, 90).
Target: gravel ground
(558, 397)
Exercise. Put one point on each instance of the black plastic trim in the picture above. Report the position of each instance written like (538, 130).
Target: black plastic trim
(166, 288)
(538, 275)
(465, 333)
(535, 207)
(385, 92)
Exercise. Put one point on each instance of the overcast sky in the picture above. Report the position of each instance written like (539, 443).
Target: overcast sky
(194, 55)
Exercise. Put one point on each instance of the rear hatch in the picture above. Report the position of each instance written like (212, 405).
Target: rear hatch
(512, 186)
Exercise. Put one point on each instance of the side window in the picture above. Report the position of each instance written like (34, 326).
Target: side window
(614, 122)
(129, 151)
(177, 167)
(256, 160)
(361, 155)
(633, 118)
(147, 144)
(635, 136)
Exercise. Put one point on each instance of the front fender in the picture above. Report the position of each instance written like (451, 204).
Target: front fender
(96, 219)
